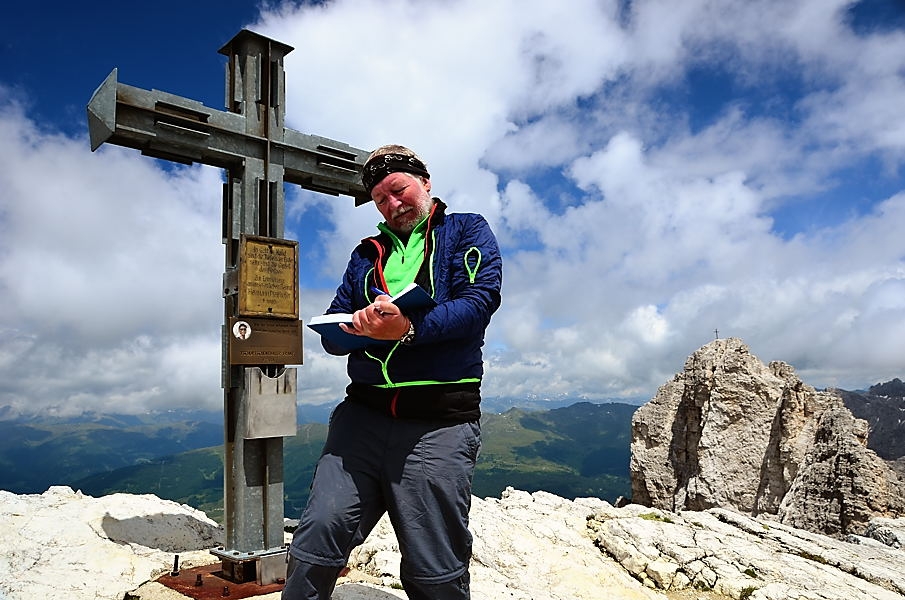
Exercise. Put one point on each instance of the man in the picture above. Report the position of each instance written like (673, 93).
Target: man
(406, 437)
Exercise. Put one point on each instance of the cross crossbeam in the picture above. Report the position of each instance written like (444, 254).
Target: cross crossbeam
(169, 127)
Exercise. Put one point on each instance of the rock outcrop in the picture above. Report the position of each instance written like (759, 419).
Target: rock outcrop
(732, 432)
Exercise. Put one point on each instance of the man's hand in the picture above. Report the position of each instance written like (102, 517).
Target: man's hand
(380, 320)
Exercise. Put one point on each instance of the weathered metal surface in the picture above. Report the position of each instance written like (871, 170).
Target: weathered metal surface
(174, 128)
(263, 341)
(253, 205)
(264, 567)
(268, 277)
(250, 141)
(210, 582)
(271, 408)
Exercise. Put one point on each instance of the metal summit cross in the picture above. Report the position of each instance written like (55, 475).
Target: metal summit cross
(260, 283)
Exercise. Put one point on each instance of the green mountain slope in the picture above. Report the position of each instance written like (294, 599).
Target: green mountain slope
(581, 450)
(573, 451)
(36, 455)
(196, 477)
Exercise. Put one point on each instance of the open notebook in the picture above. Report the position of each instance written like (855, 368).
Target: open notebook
(412, 297)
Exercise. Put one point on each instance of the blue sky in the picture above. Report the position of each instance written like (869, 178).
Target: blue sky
(653, 170)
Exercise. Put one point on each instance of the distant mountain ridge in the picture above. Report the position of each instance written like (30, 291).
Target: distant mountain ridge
(35, 454)
(581, 449)
(883, 407)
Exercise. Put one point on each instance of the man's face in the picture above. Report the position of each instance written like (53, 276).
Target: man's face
(403, 200)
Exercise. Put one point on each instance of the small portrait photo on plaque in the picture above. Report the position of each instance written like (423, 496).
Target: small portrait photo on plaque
(242, 330)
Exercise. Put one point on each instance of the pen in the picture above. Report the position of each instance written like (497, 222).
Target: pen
(379, 292)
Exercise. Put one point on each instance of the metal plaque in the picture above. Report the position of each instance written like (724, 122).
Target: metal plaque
(263, 341)
(268, 277)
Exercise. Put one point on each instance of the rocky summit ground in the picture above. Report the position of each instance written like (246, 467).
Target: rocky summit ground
(527, 546)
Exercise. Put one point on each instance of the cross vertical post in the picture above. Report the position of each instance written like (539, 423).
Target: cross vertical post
(258, 153)
(253, 204)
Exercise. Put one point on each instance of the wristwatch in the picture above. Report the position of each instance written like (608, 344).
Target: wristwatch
(409, 336)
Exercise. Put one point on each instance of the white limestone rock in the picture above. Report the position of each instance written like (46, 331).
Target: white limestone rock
(64, 544)
(728, 552)
(526, 546)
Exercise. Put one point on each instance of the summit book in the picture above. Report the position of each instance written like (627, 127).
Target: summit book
(412, 297)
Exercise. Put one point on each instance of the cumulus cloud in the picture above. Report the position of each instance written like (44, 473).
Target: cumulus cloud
(109, 268)
(640, 162)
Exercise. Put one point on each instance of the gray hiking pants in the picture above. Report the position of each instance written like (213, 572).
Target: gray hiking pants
(420, 472)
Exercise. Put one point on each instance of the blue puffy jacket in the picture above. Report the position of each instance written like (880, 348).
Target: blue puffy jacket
(438, 375)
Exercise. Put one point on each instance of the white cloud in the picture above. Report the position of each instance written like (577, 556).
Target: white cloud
(109, 268)
(633, 224)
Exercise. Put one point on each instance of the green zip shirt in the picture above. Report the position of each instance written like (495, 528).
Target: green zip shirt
(405, 259)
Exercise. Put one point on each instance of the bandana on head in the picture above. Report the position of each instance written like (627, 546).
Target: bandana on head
(380, 166)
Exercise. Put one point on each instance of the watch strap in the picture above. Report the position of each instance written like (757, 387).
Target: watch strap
(409, 335)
